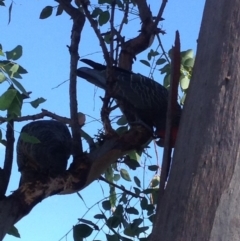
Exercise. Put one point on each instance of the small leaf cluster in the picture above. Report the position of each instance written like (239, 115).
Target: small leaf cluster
(187, 63)
(131, 217)
(11, 100)
(48, 11)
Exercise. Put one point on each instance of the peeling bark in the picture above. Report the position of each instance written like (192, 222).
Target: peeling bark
(200, 200)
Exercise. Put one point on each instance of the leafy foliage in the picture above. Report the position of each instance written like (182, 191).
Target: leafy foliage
(187, 63)
(128, 213)
(12, 99)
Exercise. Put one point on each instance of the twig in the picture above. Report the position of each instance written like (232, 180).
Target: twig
(39, 116)
(117, 186)
(118, 33)
(160, 13)
(112, 32)
(96, 30)
(162, 48)
(108, 58)
(78, 23)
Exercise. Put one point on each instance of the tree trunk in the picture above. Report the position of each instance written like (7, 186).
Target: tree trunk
(201, 200)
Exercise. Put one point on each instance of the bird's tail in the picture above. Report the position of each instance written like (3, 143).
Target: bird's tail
(93, 64)
(93, 76)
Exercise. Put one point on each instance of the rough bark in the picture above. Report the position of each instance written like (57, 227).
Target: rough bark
(81, 173)
(201, 200)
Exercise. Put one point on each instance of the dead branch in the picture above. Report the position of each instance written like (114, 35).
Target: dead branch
(172, 106)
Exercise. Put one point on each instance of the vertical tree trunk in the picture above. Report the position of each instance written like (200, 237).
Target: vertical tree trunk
(201, 201)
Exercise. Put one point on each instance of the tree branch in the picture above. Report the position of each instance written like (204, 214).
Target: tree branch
(171, 111)
(119, 187)
(83, 171)
(148, 30)
(78, 23)
(7, 168)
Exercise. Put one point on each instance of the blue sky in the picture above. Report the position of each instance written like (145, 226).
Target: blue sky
(46, 58)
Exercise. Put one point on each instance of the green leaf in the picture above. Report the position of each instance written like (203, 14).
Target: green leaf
(109, 174)
(132, 164)
(46, 12)
(123, 198)
(152, 53)
(81, 231)
(1, 52)
(2, 77)
(96, 12)
(59, 10)
(14, 232)
(113, 237)
(137, 222)
(150, 209)
(7, 98)
(155, 181)
(3, 142)
(37, 102)
(153, 168)
(124, 174)
(137, 190)
(184, 82)
(132, 210)
(134, 155)
(112, 196)
(29, 139)
(21, 70)
(85, 221)
(15, 108)
(186, 55)
(107, 38)
(99, 216)
(145, 62)
(170, 53)
(137, 181)
(161, 61)
(19, 86)
(116, 177)
(14, 69)
(2, 3)
(140, 230)
(14, 54)
(189, 62)
(183, 99)
(103, 18)
(129, 231)
(121, 130)
(166, 81)
(166, 69)
(152, 218)
(122, 121)
(120, 4)
(144, 203)
(113, 222)
(106, 205)
(118, 211)
(148, 191)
